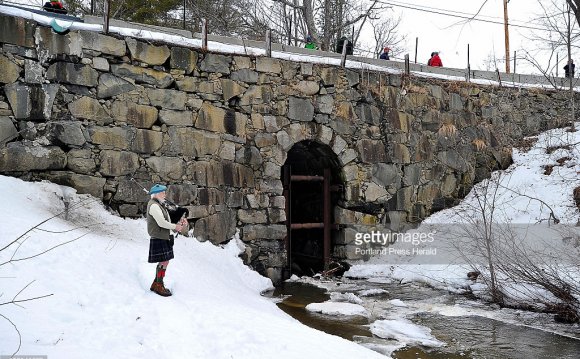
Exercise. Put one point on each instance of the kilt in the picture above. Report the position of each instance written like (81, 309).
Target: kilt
(160, 250)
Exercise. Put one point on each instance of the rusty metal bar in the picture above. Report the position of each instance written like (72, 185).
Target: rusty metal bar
(326, 217)
(287, 193)
(307, 178)
(306, 225)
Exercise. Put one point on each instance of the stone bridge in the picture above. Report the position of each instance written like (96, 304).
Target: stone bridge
(94, 112)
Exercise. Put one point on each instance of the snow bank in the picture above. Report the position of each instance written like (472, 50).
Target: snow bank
(100, 302)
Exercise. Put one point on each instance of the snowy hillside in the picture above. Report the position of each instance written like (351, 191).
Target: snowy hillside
(100, 301)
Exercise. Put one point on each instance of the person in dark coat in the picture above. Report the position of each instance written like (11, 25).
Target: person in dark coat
(310, 44)
(54, 6)
(344, 41)
(569, 69)
(385, 54)
(435, 60)
(159, 228)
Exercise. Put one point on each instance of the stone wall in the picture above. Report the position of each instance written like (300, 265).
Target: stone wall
(93, 111)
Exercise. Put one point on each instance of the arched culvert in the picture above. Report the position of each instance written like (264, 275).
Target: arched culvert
(312, 187)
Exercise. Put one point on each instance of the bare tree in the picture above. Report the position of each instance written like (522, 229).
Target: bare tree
(386, 34)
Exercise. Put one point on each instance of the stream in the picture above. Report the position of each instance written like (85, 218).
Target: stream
(469, 328)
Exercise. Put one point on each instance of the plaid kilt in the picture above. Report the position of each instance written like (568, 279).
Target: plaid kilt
(160, 250)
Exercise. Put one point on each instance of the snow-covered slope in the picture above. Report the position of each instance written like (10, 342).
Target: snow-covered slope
(100, 302)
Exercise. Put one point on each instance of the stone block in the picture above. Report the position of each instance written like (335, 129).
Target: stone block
(111, 137)
(110, 86)
(216, 228)
(17, 31)
(231, 89)
(268, 65)
(118, 163)
(191, 142)
(273, 231)
(176, 118)
(276, 215)
(182, 194)
(330, 76)
(300, 109)
(183, 59)
(100, 63)
(8, 131)
(32, 101)
(372, 151)
(75, 74)
(264, 140)
(33, 72)
(81, 161)
(386, 174)
(168, 168)
(156, 78)
(454, 159)
(16, 157)
(308, 88)
(88, 108)
(147, 141)
(256, 95)
(67, 132)
(82, 183)
(50, 44)
(401, 153)
(249, 155)
(216, 63)
(245, 75)
(167, 99)
(10, 71)
(325, 104)
(102, 43)
(252, 216)
(150, 54)
(140, 116)
(217, 119)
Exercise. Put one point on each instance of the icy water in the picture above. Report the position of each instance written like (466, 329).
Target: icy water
(471, 336)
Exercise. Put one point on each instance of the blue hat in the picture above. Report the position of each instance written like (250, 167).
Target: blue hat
(158, 188)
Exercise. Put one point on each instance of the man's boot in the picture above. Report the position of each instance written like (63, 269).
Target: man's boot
(158, 286)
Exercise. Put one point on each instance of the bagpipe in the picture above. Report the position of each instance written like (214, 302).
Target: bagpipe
(176, 213)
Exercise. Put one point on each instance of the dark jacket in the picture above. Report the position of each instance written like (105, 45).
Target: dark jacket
(384, 56)
(343, 41)
(569, 71)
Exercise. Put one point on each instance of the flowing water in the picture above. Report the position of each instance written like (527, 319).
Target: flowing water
(466, 335)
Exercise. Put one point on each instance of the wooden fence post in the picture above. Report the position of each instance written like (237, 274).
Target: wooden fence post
(343, 57)
(106, 13)
(407, 65)
(204, 34)
(269, 43)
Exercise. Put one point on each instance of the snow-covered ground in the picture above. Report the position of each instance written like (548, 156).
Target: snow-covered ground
(100, 303)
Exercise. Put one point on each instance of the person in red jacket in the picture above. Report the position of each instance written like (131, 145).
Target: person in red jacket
(435, 60)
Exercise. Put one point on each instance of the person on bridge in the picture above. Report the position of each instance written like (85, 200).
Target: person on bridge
(310, 44)
(569, 69)
(435, 60)
(55, 6)
(159, 227)
(385, 54)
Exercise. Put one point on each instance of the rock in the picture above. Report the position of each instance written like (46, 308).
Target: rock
(110, 86)
(17, 31)
(147, 141)
(271, 185)
(284, 140)
(102, 43)
(273, 231)
(140, 116)
(352, 77)
(168, 168)
(369, 114)
(386, 174)
(167, 99)
(88, 108)
(216, 63)
(216, 119)
(264, 140)
(131, 191)
(300, 109)
(306, 69)
(252, 216)
(268, 64)
(307, 88)
(111, 137)
(347, 156)
(150, 54)
(75, 74)
(372, 151)
(81, 161)
(143, 75)
(401, 153)
(274, 124)
(50, 45)
(245, 75)
(8, 131)
(376, 193)
(32, 101)
(454, 160)
(19, 158)
(182, 194)
(231, 89)
(183, 59)
(100, 63)
(68, 133)
(192, 143)
(176, 118)
(276, 215)
(456, 103)
(118, 163)
(82, 183)
(412, 175)
(249, 155)
(330, 76)
(10, 71)
(324, 104)
(216, 228)
(256, 95)
(33, 72)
